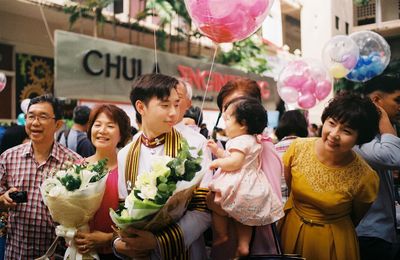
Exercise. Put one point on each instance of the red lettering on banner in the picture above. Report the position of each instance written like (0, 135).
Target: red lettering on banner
(198, 79)
(204, 78)
(193, 78)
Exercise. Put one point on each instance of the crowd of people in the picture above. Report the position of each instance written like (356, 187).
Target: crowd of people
(335, 197)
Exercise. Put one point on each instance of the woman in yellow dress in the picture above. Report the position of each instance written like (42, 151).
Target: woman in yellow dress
(331, 186)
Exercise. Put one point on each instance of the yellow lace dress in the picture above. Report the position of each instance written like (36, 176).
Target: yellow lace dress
(317, 222)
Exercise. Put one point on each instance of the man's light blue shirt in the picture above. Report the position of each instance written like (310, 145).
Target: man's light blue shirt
(383, 155)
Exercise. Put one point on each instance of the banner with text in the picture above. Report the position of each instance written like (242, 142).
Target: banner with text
(103, 70)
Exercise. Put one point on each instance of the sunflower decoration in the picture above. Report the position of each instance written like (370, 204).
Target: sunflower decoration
(31, 91)
(41, 74)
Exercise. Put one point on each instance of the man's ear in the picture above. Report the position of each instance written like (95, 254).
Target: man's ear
(376, 97)
(59, 123)
(140, 106)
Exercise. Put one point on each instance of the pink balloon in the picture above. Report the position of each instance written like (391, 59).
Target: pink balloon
(256, 7)
(308, 87)
(219, 8)
(323, 89)
(349, 61)
(2, 86)
(228, 20)
(288, 94)
(307, 101)
(295, 81)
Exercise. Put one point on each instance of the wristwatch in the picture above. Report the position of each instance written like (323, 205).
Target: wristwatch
(113, 241)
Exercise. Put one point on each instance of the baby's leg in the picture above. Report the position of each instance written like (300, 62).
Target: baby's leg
(220, 226)
(244, 234)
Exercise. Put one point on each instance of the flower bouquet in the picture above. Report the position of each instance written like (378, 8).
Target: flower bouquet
(73, 195)
(161, 196)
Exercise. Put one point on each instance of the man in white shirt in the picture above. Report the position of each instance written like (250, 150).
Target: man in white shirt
(157, 105)
(194, 138)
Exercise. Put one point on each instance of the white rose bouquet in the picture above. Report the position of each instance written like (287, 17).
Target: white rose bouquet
(161, 196)
(73, 195)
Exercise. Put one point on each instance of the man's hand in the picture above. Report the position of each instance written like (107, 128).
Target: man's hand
(136, 243)
(122, 248)
(5, 201)
(385, 126)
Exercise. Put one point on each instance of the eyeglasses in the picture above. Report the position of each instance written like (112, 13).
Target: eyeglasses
(41, 118)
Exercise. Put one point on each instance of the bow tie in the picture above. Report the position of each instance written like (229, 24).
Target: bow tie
(152, 143)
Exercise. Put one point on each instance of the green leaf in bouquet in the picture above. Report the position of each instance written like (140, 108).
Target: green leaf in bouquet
(189, 176)
(174, 163)
(120, 208)
(147, 204)
(143, 209)
(161, 198)
(136, 194)
(70, 182)
(183, 154)
(120, 217)
(191, 167)
(177, 169)
(100, 168)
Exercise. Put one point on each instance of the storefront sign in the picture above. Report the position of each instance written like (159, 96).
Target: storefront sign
(103, 70)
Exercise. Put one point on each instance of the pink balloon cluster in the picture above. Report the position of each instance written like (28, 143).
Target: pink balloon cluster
(228, 20)
(304, 83)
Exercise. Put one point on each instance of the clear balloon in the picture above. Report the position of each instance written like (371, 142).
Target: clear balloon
(340, 55)
(228, 20)
(303, 83)
(374, 56)
(3, 81)
(24, 105)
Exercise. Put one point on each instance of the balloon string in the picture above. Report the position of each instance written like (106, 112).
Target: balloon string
(208, 82)
(46, 24)
(154, 39)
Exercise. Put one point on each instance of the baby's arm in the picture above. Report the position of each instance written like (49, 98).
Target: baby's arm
(218, 152)
(231, 163)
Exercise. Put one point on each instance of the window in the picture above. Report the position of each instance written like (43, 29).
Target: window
(347, 28)
(6, 57)
(337, 22)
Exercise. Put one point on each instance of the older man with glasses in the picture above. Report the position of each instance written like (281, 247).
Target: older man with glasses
(23, 168)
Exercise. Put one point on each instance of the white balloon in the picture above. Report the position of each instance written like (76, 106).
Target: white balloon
(24, 105)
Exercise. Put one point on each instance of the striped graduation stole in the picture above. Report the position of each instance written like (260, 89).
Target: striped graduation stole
(170, 238)
(171, 243)
(171, 148)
